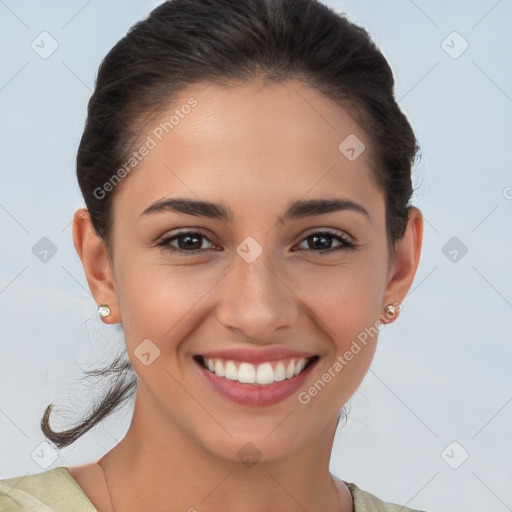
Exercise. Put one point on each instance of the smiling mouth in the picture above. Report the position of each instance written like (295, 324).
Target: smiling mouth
(261, 374)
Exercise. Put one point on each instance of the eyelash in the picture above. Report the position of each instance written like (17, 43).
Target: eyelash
(347, 244)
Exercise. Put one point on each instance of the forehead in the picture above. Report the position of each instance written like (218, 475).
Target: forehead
(250, 143)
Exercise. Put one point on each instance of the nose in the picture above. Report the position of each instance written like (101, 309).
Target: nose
(257, 299)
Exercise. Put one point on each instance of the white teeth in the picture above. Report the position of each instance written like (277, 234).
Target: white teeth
(262, 374)
(298, 367)
(219, 368)
(246, 373)
(279, 373)
(265, 374)
(290, 369)
(231, 371)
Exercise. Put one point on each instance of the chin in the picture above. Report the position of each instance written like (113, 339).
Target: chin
(255, 445)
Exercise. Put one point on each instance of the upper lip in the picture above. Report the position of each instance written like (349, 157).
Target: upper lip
(261, 355)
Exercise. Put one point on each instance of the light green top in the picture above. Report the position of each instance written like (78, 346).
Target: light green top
(55, 490)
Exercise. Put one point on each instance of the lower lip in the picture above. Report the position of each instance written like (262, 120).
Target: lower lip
(255, 394)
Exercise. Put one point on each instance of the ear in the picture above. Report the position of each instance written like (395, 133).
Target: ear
(405, 263)
(92, 252)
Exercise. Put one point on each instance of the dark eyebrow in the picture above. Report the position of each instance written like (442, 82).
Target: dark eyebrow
(296, 210)
(310, 207)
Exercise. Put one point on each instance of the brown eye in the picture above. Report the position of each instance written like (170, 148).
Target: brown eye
(320, 242)
(189, 242)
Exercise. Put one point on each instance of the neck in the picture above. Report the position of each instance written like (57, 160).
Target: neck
(144, 472)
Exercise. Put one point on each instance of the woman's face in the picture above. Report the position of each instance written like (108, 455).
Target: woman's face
(259, 280)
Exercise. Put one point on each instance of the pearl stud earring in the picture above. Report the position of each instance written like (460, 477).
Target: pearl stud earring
(104, 310)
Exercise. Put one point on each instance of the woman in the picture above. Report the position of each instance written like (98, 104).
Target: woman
(247, 176)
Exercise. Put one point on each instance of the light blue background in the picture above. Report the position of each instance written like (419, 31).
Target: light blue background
(442, 372)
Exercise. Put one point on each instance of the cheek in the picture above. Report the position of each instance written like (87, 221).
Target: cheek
(156, 298)
(162, 302)
(345, 298)
(346, 307)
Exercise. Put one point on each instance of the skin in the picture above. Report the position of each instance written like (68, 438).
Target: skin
(254, 148)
